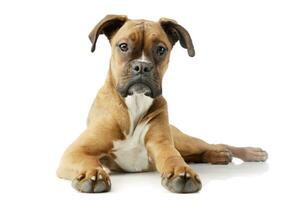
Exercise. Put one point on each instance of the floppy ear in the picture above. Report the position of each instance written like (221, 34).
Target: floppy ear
(108, 26)
(176, 32)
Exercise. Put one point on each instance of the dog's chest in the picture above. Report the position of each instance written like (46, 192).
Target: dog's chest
(131, 154)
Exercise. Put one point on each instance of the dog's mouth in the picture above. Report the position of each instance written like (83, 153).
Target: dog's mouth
(139, 88)
(139, 85)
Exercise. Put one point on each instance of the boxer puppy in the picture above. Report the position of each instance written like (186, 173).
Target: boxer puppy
(128, 128)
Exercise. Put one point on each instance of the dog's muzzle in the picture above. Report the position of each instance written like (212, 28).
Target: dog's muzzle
(139, 88)
(140, 85)
(142, 81)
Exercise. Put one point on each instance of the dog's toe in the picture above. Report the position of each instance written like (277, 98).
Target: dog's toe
(100, 186)
(92, 184)
(217, 157)
(183, 182)
(252, 154)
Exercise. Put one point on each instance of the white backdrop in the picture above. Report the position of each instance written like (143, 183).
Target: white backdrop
(241, 88)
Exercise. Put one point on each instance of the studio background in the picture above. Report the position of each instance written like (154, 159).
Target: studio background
(241, 88)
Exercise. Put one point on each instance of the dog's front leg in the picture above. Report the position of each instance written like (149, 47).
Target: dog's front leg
(177, 176)
(80, 162)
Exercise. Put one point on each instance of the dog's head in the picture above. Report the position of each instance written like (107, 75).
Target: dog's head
(140, 51)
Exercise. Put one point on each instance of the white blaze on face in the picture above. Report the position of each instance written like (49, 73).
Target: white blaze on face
(143, 58)
(131, 154)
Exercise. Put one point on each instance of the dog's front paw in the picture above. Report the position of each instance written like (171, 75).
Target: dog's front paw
(181, 180)
(92, 181)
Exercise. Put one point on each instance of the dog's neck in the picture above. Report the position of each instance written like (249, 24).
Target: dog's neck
(138, 105)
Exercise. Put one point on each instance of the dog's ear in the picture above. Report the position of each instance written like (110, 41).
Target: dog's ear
(108, 26)
(176, 32)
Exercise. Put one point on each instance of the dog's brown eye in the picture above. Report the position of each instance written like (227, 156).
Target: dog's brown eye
(161, 50)
(123, 47)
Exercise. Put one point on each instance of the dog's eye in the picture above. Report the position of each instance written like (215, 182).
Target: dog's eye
(123, 47)
(161, 50)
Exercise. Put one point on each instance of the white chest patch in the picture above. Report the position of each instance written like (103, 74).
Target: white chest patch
(131, 154)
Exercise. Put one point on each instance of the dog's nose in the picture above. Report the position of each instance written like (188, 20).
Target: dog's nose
(141, 67)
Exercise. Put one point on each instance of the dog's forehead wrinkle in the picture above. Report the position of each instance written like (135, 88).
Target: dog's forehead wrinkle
(153, 35)
(133, 36)
(140, 24)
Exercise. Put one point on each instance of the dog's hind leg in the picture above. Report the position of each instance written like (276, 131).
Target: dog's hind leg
(248, 154)
(196, 150)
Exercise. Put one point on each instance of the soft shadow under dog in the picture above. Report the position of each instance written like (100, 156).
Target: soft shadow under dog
(210, 172)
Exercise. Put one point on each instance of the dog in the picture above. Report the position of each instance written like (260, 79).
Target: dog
(128, 128)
